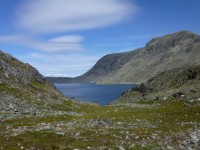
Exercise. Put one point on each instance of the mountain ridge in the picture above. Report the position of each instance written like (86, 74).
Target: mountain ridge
(136, 66)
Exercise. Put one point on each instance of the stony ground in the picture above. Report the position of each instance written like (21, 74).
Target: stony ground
(173, 124)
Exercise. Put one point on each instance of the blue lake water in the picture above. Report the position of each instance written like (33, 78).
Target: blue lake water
(103, 94)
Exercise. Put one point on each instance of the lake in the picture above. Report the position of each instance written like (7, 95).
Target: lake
(102, 94)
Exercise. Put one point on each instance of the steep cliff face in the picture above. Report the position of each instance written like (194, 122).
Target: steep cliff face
(137, 66)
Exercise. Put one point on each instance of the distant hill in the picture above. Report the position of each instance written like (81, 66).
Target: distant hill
(160, 54)
(59, 79)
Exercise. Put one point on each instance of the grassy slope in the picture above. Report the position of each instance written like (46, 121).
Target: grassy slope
(130, 127)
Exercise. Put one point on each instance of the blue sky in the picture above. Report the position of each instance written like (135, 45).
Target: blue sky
(66, 38)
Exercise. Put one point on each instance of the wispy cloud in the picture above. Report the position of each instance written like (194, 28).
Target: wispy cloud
(58, 44)
(50, 27)
(42, 16)
(67, 39)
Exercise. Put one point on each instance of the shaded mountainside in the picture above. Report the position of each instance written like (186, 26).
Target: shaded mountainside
(107, 65)
(179, 83)
(160, 54)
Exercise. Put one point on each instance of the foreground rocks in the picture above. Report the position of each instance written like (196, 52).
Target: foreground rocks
(11, 107)
(166, 125)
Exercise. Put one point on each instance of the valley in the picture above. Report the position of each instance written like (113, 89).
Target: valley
(162, 112)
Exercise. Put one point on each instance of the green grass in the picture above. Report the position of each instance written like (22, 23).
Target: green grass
(42, 86)
(11, 90)
(36, 120)
(67, 105)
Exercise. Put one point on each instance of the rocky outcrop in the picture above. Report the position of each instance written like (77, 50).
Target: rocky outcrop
(179, 83)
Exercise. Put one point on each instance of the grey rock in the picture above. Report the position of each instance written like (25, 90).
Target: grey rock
(98, 122)
(77, 135)
(121, 148)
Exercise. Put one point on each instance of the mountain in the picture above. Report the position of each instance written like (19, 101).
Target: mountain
(160, 54)
(179, 83)
(24, 91)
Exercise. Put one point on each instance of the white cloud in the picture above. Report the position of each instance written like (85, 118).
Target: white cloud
(67, 39)
(58, 44)
(11, 39)
(42, 16)
(67, 65)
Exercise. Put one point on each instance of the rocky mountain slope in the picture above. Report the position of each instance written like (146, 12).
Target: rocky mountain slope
(180, 83)
(24, 91)
(160, 54)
